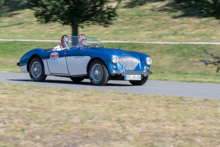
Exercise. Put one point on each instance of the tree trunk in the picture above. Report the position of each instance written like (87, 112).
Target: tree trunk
(74, 29)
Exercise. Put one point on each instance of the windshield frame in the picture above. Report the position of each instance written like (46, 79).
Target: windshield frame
(75, 46)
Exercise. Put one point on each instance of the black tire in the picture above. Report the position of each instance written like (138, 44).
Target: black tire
(141, 82)
(77, 79)
(36, 70)
(98, 73)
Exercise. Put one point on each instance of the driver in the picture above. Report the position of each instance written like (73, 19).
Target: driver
(62, 46)
(82, 40)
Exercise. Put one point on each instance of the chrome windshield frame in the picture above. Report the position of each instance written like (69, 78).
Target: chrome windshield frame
(68, 46)
(65, 42)
(100, 42)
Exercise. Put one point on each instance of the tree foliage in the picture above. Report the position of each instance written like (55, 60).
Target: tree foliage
(208, 7)
(75, 12)
(2, 6)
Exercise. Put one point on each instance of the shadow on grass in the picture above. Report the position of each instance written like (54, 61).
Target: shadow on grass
(133, 3)
(14, 5)
(186, 12)
(170, 7)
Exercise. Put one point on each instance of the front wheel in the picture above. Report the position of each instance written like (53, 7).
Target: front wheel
(36, 70)
(98, 73)
(141, 82)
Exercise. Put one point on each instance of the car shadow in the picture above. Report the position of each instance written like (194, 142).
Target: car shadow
(68, 82)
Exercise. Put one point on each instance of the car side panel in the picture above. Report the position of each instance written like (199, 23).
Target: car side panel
(77, 61)
(60, 66)
(77, 65)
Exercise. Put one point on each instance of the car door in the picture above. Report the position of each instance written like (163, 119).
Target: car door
(57, 63)
(77, 61)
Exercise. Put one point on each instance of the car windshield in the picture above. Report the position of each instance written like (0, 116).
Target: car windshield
(75, 41)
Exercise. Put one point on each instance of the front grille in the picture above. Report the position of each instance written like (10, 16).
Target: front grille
(129, 62)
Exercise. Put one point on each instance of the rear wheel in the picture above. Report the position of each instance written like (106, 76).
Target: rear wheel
(36, 70)
(98, 73)
(141, 82)
(77, 79)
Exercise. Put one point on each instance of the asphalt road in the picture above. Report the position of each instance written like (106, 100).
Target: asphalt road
(194, 90)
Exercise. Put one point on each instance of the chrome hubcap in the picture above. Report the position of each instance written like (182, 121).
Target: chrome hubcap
(36, 69)
(97, 72)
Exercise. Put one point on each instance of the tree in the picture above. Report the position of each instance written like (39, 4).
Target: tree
(215, 62)
(208, 7)
(2, 6)
(76, 13)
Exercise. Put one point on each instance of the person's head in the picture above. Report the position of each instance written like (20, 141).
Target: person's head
(82, 39)
(62, 40)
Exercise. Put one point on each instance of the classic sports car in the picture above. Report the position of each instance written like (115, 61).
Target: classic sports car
(91, 60)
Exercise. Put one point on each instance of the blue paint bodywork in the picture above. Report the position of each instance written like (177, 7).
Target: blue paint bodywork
(104, 54)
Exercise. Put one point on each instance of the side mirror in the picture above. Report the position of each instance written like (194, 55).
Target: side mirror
(119, 48)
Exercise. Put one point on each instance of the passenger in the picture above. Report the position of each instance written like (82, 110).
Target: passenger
(62, 46)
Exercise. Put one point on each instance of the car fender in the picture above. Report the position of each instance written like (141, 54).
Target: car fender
(27, 57)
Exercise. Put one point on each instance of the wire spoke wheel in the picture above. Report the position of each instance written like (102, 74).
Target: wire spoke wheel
(98, 73)
(36, 69)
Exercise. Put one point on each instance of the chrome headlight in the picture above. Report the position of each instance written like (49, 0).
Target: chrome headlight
(114, 59)
(148, 61)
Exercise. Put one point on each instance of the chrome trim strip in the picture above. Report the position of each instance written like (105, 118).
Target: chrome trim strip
(65, 42)
(101, 42)
(68, 76)
(79, 75)
(60, 75)
(129, 72)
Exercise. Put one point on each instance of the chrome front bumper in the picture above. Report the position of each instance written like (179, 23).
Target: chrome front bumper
(129, 72)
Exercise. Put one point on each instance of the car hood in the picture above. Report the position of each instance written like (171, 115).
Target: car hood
(118, 52)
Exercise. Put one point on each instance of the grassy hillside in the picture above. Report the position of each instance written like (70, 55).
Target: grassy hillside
(170, 62)
(138, 20)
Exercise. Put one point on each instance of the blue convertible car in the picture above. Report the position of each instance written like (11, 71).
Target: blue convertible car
(89, 60)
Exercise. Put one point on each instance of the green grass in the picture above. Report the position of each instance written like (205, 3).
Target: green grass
(11, 52)
(170, 62)
(151, 21)
(42, 116)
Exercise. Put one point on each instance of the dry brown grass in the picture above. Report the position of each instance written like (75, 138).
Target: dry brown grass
(39, 116)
